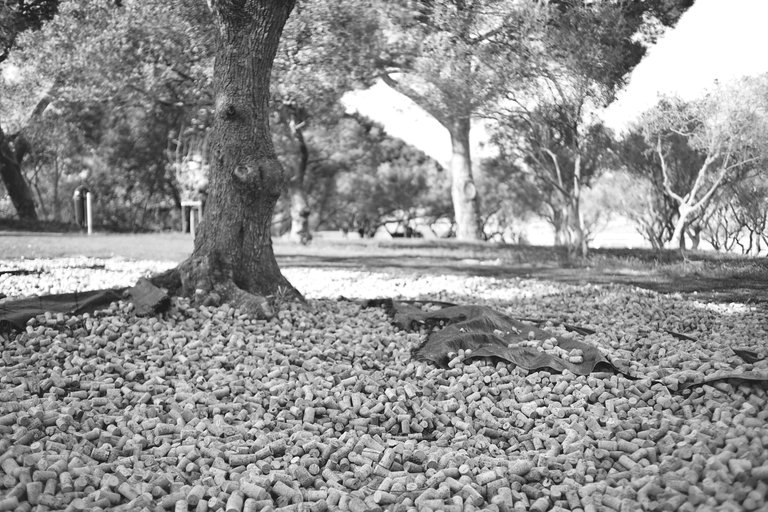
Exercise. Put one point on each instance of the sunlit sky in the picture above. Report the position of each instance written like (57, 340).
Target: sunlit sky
(714, 40)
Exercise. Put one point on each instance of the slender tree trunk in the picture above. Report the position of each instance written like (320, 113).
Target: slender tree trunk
(678, 235)
(695, 235)
(233, 260)
(299, 203)
(41, 201)
(579, 242)
(18, 189)
(11, 159)
(299, 215)
(560, 222)
(56, 199)
(466, 206)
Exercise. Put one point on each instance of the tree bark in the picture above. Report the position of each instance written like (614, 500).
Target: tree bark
(579, 242)
(56, 199)
(233, 260)
(18, 189)
(678, 234)
(299, 214)
(299, 202)
(466, 206)
(11, 158)
(560, 221)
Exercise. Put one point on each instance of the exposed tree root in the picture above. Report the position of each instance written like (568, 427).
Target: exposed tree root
(208, 281)
(251, 304)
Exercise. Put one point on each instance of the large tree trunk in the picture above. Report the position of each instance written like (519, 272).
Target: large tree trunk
(466, 206)
(233, 259)
(18, 189)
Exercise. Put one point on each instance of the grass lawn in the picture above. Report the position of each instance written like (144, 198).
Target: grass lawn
(715, 276)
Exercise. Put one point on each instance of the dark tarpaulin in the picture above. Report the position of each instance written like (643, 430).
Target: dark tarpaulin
(15, 314)
(147, 299)
(488, 333)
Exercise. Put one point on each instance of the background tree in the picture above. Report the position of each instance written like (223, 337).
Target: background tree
(643, 197)
(17, 17)
(548, 122)
(738, 216)
(510, 197)
(452, 59)
(360, 179)
(456, 60)
(328, 47)
(59, 152)
(728, 127)
(145, 67)
(386, 182)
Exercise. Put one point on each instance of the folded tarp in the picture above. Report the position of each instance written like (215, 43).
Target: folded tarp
(14, 314)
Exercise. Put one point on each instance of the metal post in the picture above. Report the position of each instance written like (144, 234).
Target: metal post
(192, 221)
(89, 212)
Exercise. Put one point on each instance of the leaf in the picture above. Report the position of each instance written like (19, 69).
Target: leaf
(748, 356)
(681, 336)
(749, 378)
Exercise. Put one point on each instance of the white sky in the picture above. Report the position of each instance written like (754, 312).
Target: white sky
(403, 119)
(714, 40)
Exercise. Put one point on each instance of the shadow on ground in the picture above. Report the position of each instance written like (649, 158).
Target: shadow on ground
(720, 289)
(711, 276)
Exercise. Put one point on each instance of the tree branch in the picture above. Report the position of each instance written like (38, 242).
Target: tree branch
(712, 189)
(665, 174)
(700, 176)
(556, 163)
(416, 97)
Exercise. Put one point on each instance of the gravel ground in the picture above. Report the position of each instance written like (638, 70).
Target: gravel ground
(322, 408)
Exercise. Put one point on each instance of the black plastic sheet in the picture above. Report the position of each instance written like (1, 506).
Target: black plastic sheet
(147, 299)
(14, 314)
(488, 333)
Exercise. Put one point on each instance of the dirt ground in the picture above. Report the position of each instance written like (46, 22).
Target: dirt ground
(711, 276)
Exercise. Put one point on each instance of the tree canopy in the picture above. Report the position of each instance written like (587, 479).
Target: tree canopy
(702, 145)
(18, 16)
(120, 96)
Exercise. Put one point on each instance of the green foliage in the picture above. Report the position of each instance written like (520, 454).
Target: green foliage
(644, 198)
(692, 150)
(738, 217)
(547, 129)
(390, 182)
(360, 179)
(18, 16)
(327, 48)
(131, 87)
(510, 197)
(448, 53)
(133, 81)
(60, 147)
